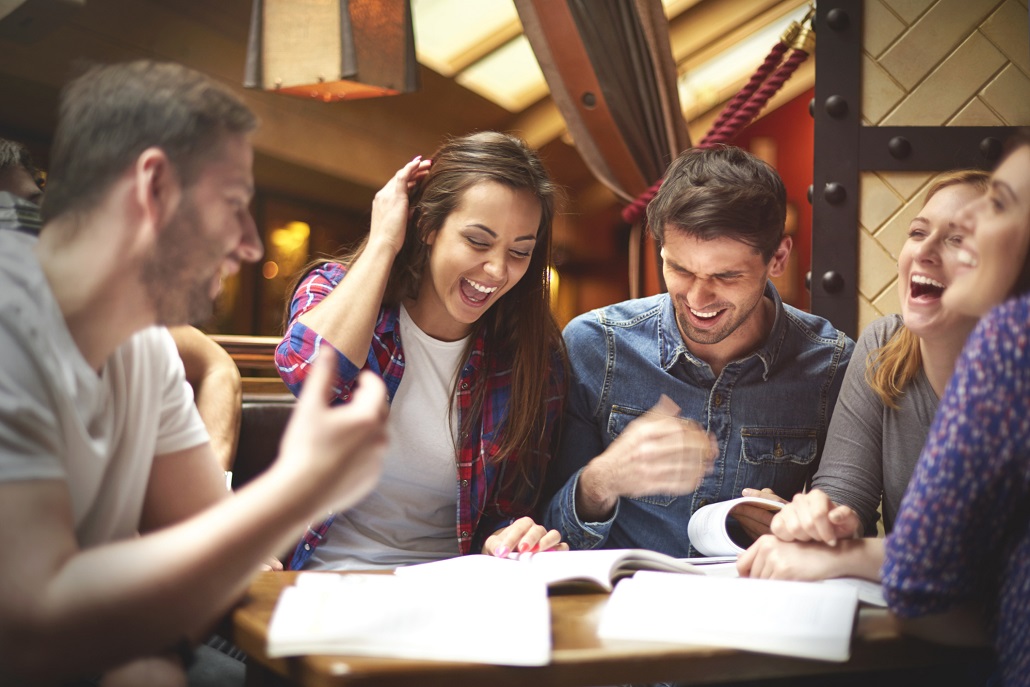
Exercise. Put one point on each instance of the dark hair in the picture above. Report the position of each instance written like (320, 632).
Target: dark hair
(14, 154)
(1020, 139)
(520, 328)
(111, 114)
(721, 191)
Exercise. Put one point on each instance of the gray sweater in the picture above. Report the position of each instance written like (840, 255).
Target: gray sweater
(871, 450)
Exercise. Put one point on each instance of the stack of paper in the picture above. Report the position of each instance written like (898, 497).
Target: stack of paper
(787, 618)
(413, 617)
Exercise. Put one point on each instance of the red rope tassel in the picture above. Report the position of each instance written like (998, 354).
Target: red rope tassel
(759, 100)
(772, 60)
(745, 105)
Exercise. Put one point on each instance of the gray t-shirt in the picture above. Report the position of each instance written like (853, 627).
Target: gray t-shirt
(871, 449)
(61, 420)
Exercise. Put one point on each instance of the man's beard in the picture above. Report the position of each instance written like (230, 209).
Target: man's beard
(174, 277)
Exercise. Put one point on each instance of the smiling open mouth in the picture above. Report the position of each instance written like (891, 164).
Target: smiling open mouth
(925, 287)
(705, 315)
(474, 291)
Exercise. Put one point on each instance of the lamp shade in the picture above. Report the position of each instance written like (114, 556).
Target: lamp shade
(332, 49)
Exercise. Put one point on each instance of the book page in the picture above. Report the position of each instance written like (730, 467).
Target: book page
(707, 526)
(804, 619)
(597, 568)
(869, 592)
(412, 617)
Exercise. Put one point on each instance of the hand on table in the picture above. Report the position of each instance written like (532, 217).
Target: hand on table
(523, 536)
(271, 564)
(772, 559)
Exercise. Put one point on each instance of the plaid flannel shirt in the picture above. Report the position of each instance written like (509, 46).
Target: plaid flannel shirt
(486, 501)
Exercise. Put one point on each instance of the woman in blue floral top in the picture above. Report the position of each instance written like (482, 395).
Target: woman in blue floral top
(958, 562)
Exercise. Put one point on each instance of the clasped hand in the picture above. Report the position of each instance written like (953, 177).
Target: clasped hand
(812, 516)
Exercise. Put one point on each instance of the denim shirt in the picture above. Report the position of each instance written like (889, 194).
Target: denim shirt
(769, 412)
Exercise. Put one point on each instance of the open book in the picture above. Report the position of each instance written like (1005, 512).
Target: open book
(770, 616)
(411, 617)
(708, 526)
(594, 569)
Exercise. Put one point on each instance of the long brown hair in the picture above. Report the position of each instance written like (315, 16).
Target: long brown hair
(520, 329)
(893, 366)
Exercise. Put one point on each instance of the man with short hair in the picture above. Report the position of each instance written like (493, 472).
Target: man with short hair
(210, 370)
(760, 378)
(121, 544)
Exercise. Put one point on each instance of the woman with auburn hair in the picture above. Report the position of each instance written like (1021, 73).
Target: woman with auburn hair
(447, 299)
(899, 370)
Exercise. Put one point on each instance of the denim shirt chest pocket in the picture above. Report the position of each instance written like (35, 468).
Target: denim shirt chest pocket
(618, 420)
(775, 457)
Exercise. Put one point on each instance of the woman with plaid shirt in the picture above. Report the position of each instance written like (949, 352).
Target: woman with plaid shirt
(447, 300)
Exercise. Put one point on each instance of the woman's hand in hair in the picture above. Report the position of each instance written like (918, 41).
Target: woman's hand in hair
(523, 536)
(390, 207)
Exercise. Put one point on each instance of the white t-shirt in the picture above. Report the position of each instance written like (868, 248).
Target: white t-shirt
(60, 420)
(412, 515)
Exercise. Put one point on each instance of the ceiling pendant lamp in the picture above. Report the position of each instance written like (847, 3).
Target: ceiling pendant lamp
(332, 50)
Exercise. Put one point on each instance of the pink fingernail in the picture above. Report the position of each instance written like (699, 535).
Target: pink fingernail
(501, 551)
(523, 547)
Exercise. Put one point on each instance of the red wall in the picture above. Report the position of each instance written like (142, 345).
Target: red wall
(792, 128)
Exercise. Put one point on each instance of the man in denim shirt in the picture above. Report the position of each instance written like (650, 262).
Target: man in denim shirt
(760, 377)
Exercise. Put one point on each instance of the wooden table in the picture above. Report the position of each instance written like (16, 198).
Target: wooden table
(578, 657)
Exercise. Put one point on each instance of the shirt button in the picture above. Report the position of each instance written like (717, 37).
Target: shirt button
(464, 533)
(778, 451)
(346, 397)
(717, 400)
(703, 503)
(464, 386)
(307, 547)
(464, 482)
